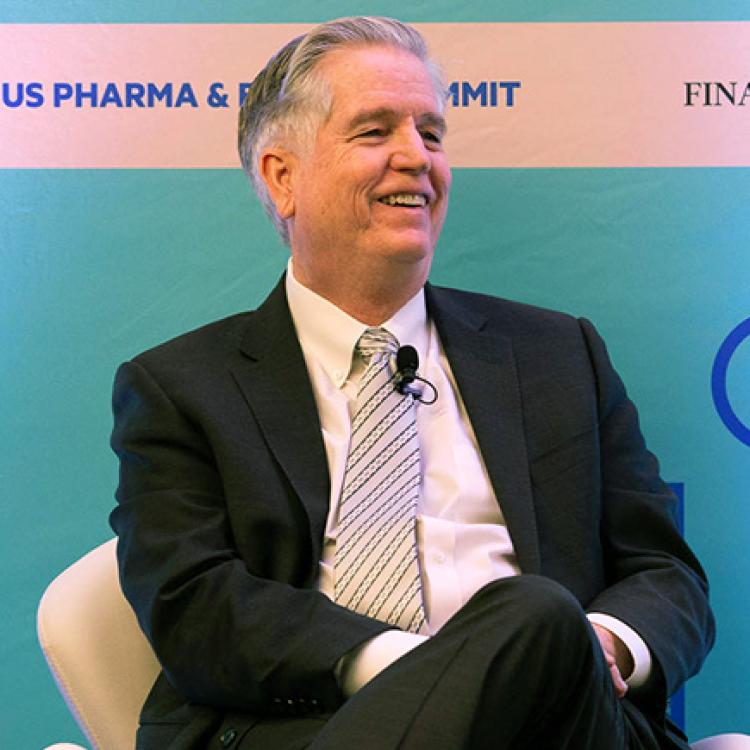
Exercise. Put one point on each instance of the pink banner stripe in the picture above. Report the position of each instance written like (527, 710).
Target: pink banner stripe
(526, 95)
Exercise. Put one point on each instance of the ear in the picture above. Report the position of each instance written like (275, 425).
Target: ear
(278, 169)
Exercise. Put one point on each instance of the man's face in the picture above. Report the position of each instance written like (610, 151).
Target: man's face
(373, 188)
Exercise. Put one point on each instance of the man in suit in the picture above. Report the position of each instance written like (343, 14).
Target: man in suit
(551, 601)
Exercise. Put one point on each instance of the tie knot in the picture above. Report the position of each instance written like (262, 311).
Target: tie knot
(376, 343)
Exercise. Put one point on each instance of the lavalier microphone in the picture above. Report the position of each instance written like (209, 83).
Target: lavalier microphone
(406, 378)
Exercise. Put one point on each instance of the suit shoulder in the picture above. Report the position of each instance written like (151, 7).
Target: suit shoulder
(203, 343)
(510, 314)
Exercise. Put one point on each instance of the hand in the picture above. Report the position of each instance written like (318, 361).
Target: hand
(619, 659)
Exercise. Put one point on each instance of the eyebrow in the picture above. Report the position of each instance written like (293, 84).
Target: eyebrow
(431, 119)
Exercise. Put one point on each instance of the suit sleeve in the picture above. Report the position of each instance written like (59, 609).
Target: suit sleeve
(654, 582)
(224, 636)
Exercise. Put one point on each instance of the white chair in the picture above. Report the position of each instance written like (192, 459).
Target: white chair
(103, 664)
(100, 659)
(723, 742)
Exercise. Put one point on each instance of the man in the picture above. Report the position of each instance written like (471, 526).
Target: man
(321, 556)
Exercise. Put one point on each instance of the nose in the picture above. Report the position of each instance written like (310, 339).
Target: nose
(410, 153)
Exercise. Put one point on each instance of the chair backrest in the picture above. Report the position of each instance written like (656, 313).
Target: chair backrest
(100, 659)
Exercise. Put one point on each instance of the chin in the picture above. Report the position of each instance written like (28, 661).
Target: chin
(409, 249)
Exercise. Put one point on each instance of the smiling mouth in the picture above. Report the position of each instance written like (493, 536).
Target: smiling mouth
(405, 200)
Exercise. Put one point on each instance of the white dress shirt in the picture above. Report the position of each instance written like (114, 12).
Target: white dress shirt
(462, 539)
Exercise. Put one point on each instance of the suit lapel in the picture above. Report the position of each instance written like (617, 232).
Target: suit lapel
(273, 378)
(485, 370)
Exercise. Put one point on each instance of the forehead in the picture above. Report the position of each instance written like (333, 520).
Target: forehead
(373, 75)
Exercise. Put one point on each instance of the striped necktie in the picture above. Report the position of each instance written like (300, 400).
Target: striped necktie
(376, 568)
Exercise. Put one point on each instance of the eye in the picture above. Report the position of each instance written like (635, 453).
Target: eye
(432, 136)
(372, 133)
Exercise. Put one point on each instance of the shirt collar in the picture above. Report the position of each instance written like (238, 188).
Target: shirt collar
(328, 334)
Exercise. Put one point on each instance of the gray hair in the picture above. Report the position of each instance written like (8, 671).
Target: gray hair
(288, 100)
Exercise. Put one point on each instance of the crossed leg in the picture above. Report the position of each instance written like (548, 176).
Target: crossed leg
(517, 667)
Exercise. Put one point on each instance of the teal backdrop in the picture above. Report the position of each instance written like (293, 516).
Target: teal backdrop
(96, 265)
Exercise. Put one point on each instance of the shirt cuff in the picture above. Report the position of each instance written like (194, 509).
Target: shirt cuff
(634, 643)
(358, 667)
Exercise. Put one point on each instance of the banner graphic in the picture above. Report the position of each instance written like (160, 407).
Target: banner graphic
(668, 94)
(724, 407)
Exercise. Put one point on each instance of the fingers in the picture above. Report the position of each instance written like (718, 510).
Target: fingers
(609, 649)
(621, 687)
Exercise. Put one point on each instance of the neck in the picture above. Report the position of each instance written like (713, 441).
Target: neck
(371, 299)
(372, 312)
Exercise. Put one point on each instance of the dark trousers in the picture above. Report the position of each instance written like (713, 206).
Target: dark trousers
(518, 667)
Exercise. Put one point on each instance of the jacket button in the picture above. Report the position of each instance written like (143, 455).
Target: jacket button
(228, 737)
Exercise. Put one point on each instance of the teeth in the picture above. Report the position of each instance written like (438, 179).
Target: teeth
(404, 199)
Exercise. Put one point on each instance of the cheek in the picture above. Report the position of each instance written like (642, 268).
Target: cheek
(442, 185)
(362, 202)
(362, 210)
(364, 182)
(442, 176)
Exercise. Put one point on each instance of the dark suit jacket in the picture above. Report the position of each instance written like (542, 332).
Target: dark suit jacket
(224, 493)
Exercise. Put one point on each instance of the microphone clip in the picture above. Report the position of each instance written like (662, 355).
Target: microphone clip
(406, 378)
